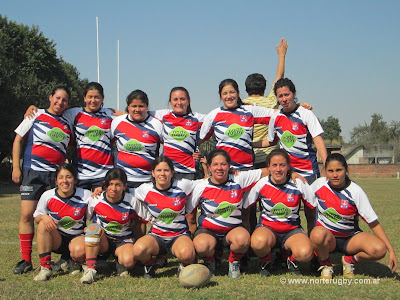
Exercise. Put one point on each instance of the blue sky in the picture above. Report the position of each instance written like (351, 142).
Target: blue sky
(343, 56)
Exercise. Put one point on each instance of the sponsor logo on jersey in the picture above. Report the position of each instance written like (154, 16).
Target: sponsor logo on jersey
(77, 211)
(133, 145)
(281, 210)
(290, 198)
(177, 201)
(288, 139)
(332, 215)
(94, 133)
(57, 135)
(243, 118)
(188, 122)
(67, 223)
(145, 134)
(114, 227)
(235, 131)
(295, 126)
(344, 204)
(167, 216)
(179, 134)
(225, 209)
(233, 194)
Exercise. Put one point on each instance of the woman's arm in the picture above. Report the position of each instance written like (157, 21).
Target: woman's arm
(49, 223)
(16, 155)
(320, 145)
(281, 49)
(377, 228)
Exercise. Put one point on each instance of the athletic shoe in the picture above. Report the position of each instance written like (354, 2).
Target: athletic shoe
(60, 265)
(43, 275)
(234, 269)
(326, 272)
(74, 267)
(244, 263)
(89, 276)
(314, 264)
(161, 261)
(348, 269)
(149, 272)
(180, 268)
(293, 267)
(121, 270)
(265, 269)
(211, 266)
(22, 267)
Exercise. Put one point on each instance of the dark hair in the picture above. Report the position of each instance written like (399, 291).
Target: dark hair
(255, 84)
(233, 83)
(137, 95)
(61, 87)
(276, 152)
(337, 157)
(93, 86)
(181, 88)
(285, 82)
(217, 152)
(159, 160)
(70, 168)
(113, 174)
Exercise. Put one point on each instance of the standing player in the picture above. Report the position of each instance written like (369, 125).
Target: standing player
(61, 218)
(340, 203)
(48, 135)
(165, 199)
(280, 199)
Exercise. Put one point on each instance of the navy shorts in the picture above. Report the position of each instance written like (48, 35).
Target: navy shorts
(188, 176)
(114, 244)
(90, 184)
(165, 245)
(64, 246)
(35, 183)
(341, 243)
(220, 237)
(281, 238)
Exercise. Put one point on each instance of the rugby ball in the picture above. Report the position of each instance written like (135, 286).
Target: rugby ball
(194, 276)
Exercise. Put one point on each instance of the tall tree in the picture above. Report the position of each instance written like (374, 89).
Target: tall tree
(377, 132)
(332, 130)
(29, 69)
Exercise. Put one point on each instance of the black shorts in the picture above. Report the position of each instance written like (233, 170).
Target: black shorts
(165, 245)
(220, 237)
(35, 183)
(114, 244)
(341, 243)
(281, 238)
(188, 176)
(64, 246)
(90, 184)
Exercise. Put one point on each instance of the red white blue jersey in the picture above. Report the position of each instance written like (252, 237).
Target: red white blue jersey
(180, 134)
(338, 210)
(233, 131)
(69, 213)
(92, 133)
(167, 207)
(137, 145)
(296, 132)
(221, 204)
(280, 204)
(48, 137)
(115, 218)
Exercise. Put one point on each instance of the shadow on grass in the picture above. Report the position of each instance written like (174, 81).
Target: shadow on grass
(8, 189)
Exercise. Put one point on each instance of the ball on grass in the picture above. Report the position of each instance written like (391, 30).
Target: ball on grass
(194, 276)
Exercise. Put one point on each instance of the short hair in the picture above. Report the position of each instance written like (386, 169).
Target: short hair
(255, 84)
(159, 160)
(70, 168)
(115, 174)
(217, 152)
(61, 87)
(181, 88)
(233, 83)
(285, 82)
(93, 86)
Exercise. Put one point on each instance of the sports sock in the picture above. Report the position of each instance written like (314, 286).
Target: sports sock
(91, 262)
(45, 260)
(326, 262)
(26, 245)
(265, 259)
(235, 256)
(351, 259)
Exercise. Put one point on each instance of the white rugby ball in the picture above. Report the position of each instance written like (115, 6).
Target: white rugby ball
(194, 276)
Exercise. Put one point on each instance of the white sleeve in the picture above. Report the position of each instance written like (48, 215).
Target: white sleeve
(26, 125)
(206, 128)
(192, 201)
(247, 178)
(259, 111)
(364, 207)
(91, 204)
(41, 208)
(140, 209)
(313, 125)
(160, 113)
(271, 128)
(307, 192)
(252, 196)
(115, 123)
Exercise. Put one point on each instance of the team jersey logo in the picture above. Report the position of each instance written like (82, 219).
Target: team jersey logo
(65, 127)
(235, 131)
(57, 135)
(77, 211)
(225, 209)
(133, 145)
(179, 134)
(243, 118)
(103, 121)
(290, 198)
(344, 204)
(125, 216)
(145, 134)
(233, 194)
(94, 133)
(281, 210)
(67, 223)
(177, 201)
(167, 216)
(332, 215)
(288, 139)
(114, 227)
(295, 126)
(188, 122)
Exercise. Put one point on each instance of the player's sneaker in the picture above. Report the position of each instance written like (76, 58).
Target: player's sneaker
(348, 269)
(180, 268)
(44, 274)
(161, 261)
(121, 270)
(326, 272)
(22, 267)
(293, 267)
(73, 267)
(265, 269)
(211, 266)
(89, 276)
(149, 272)
(60, 265)
(234, 269)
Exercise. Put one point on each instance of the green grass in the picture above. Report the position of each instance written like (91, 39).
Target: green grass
(385, 198)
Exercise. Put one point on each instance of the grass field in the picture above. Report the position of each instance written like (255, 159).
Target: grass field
(373, 280)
